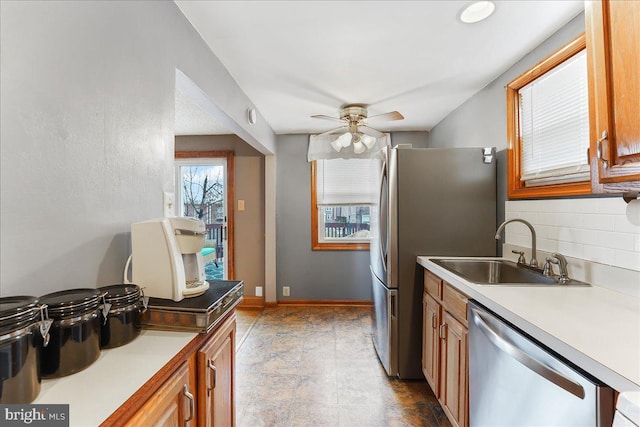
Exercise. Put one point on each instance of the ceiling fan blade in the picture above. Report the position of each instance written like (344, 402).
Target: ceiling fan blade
(322, 116)
(334, 130)
(386, 117)
(370, 131)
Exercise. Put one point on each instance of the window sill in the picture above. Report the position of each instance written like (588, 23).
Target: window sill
(340, 246)
(555, 190)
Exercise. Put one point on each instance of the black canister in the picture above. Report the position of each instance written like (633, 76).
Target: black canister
(21, 341)
(75, 333)
(122, 320)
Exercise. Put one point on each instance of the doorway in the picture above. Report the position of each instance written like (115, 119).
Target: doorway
(204, 189)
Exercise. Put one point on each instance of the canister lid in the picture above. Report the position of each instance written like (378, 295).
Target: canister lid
(71, 301)
(17, 311)
(120, 295)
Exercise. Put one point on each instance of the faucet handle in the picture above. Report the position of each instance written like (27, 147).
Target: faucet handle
(547, 270)
(521, 258)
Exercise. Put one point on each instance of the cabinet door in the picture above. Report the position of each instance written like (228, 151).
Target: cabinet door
(454, 370)
(216, 374)
(431, 318)
(171, 406)
(613, 47)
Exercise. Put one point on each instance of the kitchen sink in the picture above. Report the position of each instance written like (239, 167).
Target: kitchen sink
(500, 272)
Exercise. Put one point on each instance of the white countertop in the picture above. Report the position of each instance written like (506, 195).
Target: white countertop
(96, 392)
(595, 328)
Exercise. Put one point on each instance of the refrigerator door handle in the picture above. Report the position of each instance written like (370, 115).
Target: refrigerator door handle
(383, 254)
(392, 305)
(511, 348)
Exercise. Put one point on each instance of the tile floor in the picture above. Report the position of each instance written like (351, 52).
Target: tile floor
(316, 366)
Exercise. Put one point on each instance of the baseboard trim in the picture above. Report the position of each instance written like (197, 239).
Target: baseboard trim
(252, 302)
(328, 303)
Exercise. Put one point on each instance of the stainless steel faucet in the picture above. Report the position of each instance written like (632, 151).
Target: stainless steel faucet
(533, 262)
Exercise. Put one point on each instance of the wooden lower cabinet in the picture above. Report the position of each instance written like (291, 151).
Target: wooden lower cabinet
(445, 348)
(216, 364)
(197, 386)
(454, 372)
(171, 405)
(431, 317)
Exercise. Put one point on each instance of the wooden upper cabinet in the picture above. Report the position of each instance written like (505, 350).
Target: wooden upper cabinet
(613, 48)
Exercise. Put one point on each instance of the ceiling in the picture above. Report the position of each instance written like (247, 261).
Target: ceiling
(295, 59)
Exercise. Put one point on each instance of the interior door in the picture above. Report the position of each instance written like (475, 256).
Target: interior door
(202, 186)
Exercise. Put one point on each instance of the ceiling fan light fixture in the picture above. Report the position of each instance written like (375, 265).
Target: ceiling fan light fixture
(335, 144)
(358, 147)
(368, 140)
(345, 139)
(476, 11)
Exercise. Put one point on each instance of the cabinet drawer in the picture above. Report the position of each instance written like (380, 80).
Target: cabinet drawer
(455, 302)
(432, 285)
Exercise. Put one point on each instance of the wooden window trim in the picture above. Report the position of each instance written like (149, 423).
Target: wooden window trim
(231, 197)
(324, 246)
(516, 188)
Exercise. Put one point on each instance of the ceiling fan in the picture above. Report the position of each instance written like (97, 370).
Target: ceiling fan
(355, 127)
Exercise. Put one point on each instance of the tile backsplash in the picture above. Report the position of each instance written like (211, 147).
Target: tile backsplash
(601, 230)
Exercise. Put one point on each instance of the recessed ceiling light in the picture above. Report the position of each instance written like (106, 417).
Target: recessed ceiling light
(476, 11)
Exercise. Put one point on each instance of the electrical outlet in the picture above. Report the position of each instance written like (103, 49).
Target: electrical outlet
(286, 291)
(258, 291)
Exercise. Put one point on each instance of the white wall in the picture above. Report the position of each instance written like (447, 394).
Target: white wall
(87, 105)
(602, 230)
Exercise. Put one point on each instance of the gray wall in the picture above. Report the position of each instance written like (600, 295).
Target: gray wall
(482, 120)
(417, 139)
(249, 186)
(315, 275)
(86, 142)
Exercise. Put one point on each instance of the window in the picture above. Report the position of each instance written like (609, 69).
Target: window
(342, 194)
(548, 126)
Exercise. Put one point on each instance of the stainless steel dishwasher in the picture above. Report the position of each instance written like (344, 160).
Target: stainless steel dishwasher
(516, 381)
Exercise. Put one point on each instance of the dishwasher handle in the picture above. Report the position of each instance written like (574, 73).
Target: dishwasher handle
(535, 365)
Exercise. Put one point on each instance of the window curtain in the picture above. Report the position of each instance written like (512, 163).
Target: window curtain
(554, 125)
(347, 182)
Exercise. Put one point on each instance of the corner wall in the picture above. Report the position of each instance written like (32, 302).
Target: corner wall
(482, 120)
(597, 229)
(315, 275)
(87, 106)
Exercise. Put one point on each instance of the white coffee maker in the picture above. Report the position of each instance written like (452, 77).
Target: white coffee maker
(167, 257)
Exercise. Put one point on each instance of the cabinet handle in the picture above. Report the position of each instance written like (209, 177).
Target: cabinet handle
(605, 136)
(213, 374)
(433, 320)
(192, 403)
(442, 334)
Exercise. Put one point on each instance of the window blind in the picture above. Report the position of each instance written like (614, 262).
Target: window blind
(554, 125)
(346, 182)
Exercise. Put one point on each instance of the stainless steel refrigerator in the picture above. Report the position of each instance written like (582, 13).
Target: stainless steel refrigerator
(432, 202)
